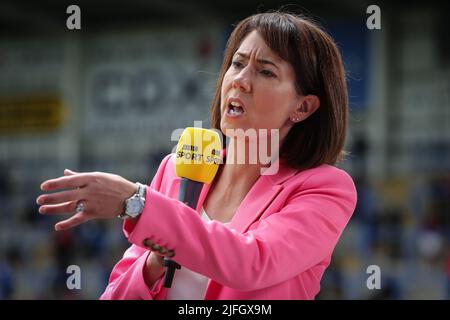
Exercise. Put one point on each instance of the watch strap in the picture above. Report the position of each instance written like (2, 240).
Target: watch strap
(141, 189)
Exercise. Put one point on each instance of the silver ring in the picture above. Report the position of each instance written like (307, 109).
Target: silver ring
(79, 207)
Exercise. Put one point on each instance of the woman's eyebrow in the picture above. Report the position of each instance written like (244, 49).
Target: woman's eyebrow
(262, 61)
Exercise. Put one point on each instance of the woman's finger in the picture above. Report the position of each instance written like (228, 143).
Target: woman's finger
(68, 172)
(73, 221)
(59, 197)
(66, 207)
(67, 182)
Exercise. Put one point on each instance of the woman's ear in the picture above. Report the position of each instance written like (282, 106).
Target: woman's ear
(308, 105)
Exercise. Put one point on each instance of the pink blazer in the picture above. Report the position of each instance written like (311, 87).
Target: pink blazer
(277, 246)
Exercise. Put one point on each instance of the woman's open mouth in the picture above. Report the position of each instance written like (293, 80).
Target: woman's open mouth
(234, 109)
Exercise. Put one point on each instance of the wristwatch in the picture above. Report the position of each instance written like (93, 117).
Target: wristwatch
(135, 204)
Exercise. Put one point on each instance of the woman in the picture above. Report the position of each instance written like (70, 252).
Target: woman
(251, 236)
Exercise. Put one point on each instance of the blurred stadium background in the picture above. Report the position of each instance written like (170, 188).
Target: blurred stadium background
(108, 97)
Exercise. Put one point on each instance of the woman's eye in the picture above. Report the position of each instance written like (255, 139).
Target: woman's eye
(237, 64)
(268, 73)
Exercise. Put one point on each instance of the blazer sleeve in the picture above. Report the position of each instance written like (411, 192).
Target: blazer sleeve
(302, 234)
(126, 281)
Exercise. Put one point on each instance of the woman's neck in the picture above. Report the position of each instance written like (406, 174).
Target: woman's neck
(241, 169)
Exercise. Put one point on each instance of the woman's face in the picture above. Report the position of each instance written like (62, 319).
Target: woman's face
(258, 89)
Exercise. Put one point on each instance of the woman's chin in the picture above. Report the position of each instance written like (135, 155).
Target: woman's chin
(232, 128)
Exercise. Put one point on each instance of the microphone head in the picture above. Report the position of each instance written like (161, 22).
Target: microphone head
(198, 154)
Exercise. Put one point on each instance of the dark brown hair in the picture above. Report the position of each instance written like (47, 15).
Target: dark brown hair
(319, 71)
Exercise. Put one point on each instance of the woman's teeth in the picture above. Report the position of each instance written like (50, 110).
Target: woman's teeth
(235, 111)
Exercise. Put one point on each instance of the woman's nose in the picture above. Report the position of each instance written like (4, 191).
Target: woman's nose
(242, 81)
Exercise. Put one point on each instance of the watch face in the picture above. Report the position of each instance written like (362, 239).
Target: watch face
(134, 206)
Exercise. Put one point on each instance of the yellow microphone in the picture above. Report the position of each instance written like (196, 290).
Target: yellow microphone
(196, 163)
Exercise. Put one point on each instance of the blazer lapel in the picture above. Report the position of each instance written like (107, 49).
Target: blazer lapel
(260, 196)
(255, 202)
(203, 194)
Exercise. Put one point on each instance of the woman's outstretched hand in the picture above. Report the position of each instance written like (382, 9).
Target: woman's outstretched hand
(102, 196)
